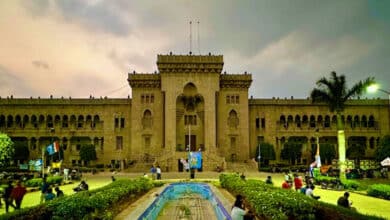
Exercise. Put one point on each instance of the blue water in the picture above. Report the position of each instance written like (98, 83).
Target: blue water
(176, 190)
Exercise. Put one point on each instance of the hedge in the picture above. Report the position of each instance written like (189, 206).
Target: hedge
(51, 180)
(269, 202)
(95, 204)
(379, 190)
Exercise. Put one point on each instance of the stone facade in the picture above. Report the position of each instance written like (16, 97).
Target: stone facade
(189, 103)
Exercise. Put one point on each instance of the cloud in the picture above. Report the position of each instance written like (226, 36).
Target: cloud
(40, 64)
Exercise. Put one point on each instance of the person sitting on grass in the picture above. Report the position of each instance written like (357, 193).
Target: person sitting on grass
(59, 192)
(269, 180)
(49, 195)
(82, 187)
(309, 192)
(343, 201)
(286, 185)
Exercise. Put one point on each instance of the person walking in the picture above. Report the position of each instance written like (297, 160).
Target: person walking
(158, 171)
(17, 194)
(153, 171)
(7, 196)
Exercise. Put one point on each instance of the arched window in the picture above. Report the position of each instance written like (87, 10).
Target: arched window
(147, 119)
(18, 120)
(25, 120)
(2, 121)
(319, 121)
(327, 121)
(298, 121)
(290, 119)
(349, 120)
(233, 119)
(65, 121)
(364, 121)
(34, 121)
(312, 121)
(305, 119)
(80, 121)
(371, 121)
(356, 121)
(10, 121)
(49, 121)
(64, 143)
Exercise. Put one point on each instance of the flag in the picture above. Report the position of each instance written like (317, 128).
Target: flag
(56, 146)
(50, 149)
(195, 160)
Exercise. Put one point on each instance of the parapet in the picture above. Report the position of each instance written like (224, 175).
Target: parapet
(190, 63)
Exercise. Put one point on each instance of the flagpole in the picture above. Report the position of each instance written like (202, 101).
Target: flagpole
(43, 162)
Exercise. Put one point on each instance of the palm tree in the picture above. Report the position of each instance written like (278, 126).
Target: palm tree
(334, 93)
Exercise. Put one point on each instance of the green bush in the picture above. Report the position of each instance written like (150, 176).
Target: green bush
(270, 202)
(83, 205)
(51, 180)
(379, 190)
(351, 184)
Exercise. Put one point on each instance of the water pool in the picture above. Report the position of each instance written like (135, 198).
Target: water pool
(175, 191)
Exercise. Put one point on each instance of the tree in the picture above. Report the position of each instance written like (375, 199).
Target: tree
(291, 151)
(6, 149)
(383, 149)
(267, 152)
(88, 153)
(335, 94)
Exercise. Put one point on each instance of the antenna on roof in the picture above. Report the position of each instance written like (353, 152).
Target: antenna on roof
(198, 39)
(190, 36)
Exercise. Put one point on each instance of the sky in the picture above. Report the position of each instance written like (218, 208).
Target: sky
(87, 47)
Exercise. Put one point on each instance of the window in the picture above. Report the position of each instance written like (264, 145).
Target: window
(147, 142)
(257, 123)
(122, 122)
(232, 142)
(78, 146)
(262, 122)
(232, 99)
(119, 143)
(116, 122)
(147, 98)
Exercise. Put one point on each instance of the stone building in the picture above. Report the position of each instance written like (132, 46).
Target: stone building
(188, 104)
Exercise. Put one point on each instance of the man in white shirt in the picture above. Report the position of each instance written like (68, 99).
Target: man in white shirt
(309, 192)
(158, 171)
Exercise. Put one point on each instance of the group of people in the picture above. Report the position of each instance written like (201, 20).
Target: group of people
(296, 180)
(47, 193)
(156, 172)
(12, 194)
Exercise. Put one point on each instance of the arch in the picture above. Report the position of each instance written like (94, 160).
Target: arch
(88, 118)
(334, 119)
(2, 121)
(312, 121)
(80, 118)
(18, 119)
(57, 119)
(72, 118)
(364, 121)
(190, 89)
(349, 120)
(25, 119)
(10, 121)
(298, 121)
(371, 121)
(290, 119)
(41, 119)
(233, 119)
(305, 119)
(282, 119)
(96, 118)
(356, 121)
(327, 121)
(64, 143)
(319, 120)
(147, 119)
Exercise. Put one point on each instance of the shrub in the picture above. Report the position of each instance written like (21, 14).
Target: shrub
(83, 204)
(350, 184)
(269, 202)
(51, 180)
(379, 190)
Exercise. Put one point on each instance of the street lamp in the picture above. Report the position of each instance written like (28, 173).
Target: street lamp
(375, 87)
(258, 158)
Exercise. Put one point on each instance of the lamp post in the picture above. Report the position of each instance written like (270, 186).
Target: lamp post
(259, 157)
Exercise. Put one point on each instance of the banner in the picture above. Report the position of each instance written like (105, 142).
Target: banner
(195, 160)
(56, 164)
